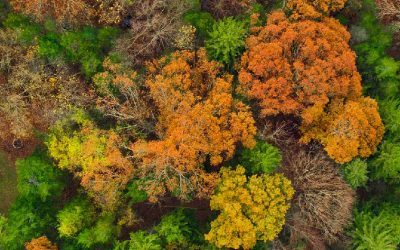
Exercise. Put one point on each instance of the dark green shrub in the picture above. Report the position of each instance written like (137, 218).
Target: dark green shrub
(134, 193)
(226, 41)
(103, 232)
(389, 110)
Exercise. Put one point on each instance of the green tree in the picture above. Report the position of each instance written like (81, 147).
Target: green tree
(37, 177)
(174, 227)
(103, 232)
(356, 173)
(140, 240)
(226, 41)
(74, 217)
(386, 164)
(263, 158)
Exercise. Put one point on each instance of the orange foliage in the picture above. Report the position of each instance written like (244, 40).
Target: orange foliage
(289, 67)
(313, 8)
(74, 11)
(198, 120)
(347, 129)
(41, 243)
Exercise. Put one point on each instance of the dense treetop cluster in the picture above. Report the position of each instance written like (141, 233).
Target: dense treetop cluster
(201, 124)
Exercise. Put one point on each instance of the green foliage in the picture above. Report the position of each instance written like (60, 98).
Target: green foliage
(201, 20)
(140, 240)
(389, 110)
(85, 47)
(386, 164)
(38, 178)
(26, 30)
(32, 214)
(104, 231)
(226, 40)
(174, 227)
(74, 217)
(134, 193)
(356, 173)
(373, 232)
(380, 72)
(26, 220)
(263, 158)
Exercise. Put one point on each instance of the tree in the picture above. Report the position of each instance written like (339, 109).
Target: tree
(174, 227)
(226, 41)
(140, 240)
(262, 159)
(356, 173)
(289, 67)
(386, 164)
(376, 231)
(314, 8)
(38, 178)
(122, 96)
(224, 8)
(389, 12)
(34, 95)
(74, 11)
(322, 207)
(153, 27)
(74, 217)
(251, 209)
(41, 243)
(104, 231)
(198, 119)
(93, 155)
(347, 130)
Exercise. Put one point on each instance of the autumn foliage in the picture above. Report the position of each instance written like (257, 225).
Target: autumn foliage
(347, 129)
(41, 243)
(305, 68)
(251, 208)
(291, 66)
(93, 155)
(302, 9)
(198, 120)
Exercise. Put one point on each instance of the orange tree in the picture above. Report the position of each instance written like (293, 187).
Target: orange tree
(303, 69)
(198, 120)
(41, 243)
(291, 66)
(313, 8)
(347, 129)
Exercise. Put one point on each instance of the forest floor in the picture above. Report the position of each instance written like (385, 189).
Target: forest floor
(8, 183)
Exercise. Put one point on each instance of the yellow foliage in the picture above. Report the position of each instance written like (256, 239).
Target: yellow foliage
(251, 209)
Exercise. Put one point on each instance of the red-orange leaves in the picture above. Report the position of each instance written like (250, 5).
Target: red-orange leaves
(347, 129)
(198, 120)
(289, 67)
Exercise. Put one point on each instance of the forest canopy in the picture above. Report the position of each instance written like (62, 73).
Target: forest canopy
(200, 124)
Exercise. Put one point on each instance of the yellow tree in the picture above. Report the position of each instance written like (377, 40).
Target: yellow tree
(251, 208)
(198, 120)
